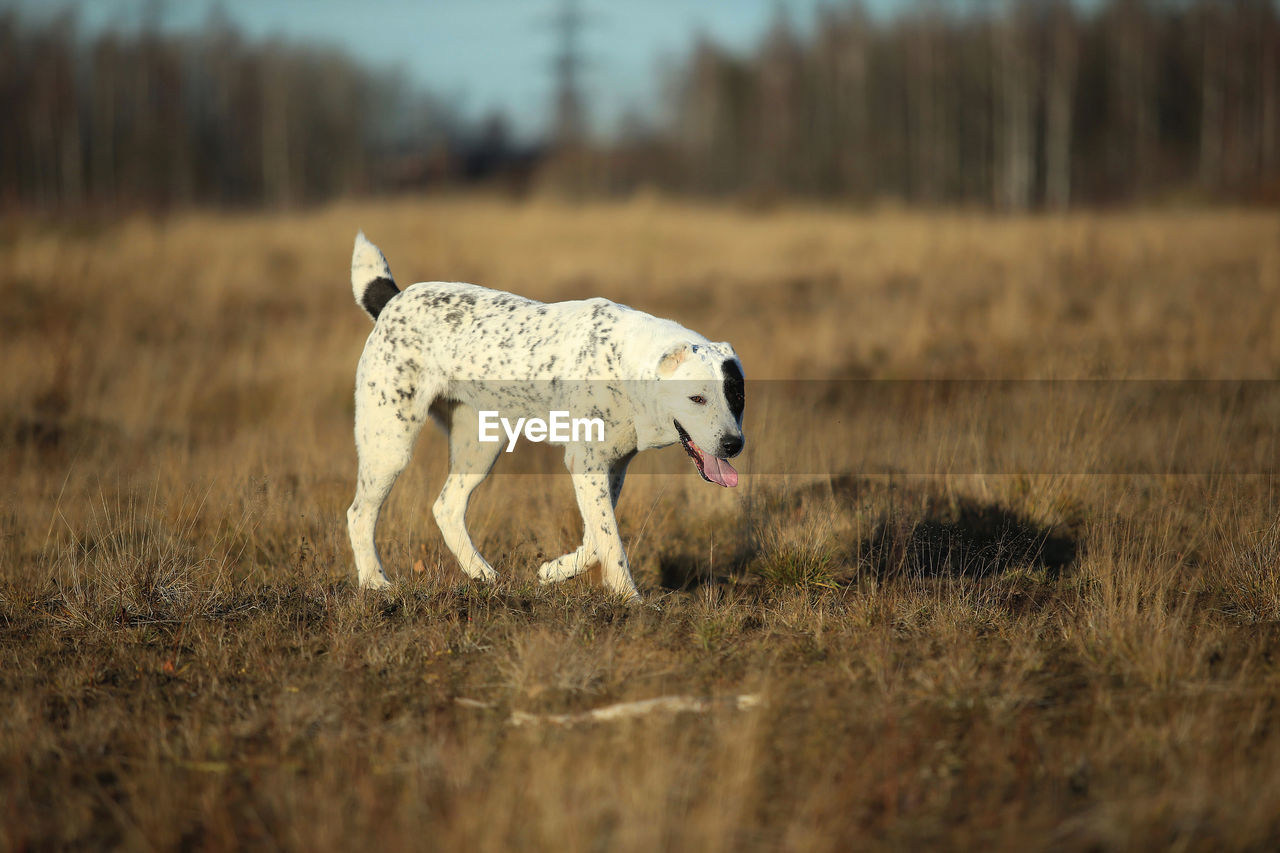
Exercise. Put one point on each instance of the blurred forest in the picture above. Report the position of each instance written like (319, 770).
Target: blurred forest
(1016, 105)
(156, 119)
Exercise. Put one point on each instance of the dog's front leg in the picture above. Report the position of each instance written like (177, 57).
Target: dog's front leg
(576, 562)
(600, 527)
(593, 485)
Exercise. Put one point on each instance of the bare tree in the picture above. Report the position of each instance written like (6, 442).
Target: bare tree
(1015, 87)
(1212, 108)
(927, 132)
(1269, 88)
(778, 125)
(1059, 103)
(844, 55)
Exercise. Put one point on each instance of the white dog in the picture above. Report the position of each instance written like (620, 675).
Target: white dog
(452, 350)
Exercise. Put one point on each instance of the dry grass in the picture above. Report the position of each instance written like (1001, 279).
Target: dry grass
(988, 619)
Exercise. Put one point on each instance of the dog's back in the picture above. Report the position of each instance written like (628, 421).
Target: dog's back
(466, 332)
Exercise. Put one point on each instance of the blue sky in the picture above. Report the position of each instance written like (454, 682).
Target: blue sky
(487, 54)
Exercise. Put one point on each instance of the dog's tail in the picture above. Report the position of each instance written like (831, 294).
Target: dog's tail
(371, 280)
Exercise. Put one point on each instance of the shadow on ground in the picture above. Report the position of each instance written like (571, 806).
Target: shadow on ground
(918, 533)
(966, 539)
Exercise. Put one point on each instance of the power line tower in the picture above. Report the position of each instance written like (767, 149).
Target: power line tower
(570, 106)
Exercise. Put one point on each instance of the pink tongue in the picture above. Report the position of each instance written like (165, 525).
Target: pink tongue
(717, 470)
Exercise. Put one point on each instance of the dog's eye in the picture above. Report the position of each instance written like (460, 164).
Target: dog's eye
(699, 399)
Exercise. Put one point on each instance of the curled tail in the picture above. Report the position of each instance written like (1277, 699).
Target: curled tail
(371, 280)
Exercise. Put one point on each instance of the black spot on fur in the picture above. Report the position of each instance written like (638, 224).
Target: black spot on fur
(735, 392)
(377, 294)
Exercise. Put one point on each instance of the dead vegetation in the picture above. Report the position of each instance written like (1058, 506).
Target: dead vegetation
(1000, 620)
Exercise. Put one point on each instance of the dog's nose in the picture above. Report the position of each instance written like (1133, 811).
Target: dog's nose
(730, 445)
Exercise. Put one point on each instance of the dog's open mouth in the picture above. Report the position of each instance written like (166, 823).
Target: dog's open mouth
(712, 468)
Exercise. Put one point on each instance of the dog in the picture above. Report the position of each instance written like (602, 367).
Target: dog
(451, 351)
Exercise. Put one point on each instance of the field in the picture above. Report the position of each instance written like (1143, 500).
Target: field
(1008, 614)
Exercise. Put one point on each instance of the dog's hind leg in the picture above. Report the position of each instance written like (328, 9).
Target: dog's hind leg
(576, 562)
(388, 420)
(470, 461)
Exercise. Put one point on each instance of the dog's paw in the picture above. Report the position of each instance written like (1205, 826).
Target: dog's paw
(484, 573)
(630, 597)
(551, 572)
(561, 569)
(374, 582)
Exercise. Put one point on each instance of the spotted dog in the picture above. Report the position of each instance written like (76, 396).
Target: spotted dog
(449, 350)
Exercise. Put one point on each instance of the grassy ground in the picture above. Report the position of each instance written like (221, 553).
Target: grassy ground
(1077, 651)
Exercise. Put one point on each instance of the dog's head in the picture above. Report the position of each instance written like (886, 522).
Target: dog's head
(701, 395)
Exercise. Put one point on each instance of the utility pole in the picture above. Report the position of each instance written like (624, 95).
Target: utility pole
(570, 106)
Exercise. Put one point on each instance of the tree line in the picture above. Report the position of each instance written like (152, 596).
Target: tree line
(147, 118)
(1009, 104)
(1014, 105)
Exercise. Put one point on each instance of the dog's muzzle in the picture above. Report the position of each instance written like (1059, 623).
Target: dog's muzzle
(713, 469)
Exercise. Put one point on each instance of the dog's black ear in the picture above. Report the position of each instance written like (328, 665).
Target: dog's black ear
(672, 359)
(735, 389)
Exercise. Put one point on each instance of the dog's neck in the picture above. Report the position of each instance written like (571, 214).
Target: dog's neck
(653, 426)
